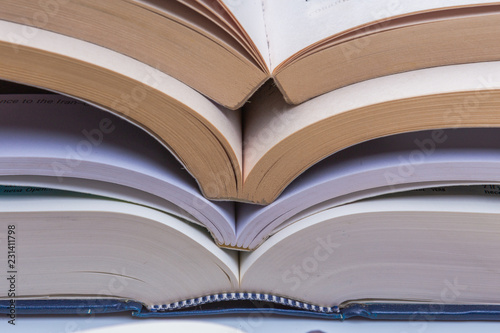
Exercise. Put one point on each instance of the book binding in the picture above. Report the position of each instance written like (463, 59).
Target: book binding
(375, 311)
(193, 302)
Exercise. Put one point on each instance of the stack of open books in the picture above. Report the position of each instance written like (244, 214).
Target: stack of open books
(198, 156)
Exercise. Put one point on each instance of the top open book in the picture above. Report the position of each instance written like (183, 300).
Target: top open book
(226, 49)
(148, 61)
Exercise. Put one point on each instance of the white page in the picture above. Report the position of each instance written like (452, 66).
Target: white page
(392, 248)
(105, 189)
(390, 164)
(65, 237)
(38, 137)
(295, 24)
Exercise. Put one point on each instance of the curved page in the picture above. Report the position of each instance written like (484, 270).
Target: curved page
(61, 138)
(250, 15)
(70, 246)
(100, 188)
(394, 163)
(412, 248)
(282, 141)
(162, 34)
(173, 112)
(316, 20)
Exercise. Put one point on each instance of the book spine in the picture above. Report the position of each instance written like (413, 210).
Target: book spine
(193, 302)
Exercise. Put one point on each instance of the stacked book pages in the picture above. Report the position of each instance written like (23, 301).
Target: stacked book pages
(324, 158)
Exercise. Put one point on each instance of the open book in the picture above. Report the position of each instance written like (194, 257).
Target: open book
(437, 246)
(226, 49)
(393, 97)
(49, 140)
(250, 154)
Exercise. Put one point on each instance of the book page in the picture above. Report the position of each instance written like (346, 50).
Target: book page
(60, 137)
(72, 244)
(412, 244)
(99, 188)
(250, 16)
(187, 16)
(218, 14)
(159, 103)
(293, 25)
(273, 120)
(390, 164)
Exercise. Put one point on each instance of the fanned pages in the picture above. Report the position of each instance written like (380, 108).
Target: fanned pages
(228, 49)
(315, 21)
(258, 167)
(412, 248)
(250, 16)
(281, 141)
(165, 35)
(48, 140)
(66, 141)
(155, 256)
(325, 158)
(391, 164)
(416, 245)
(173, 112)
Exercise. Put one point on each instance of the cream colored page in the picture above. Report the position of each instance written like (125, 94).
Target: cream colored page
(249, 14)
(292, 25)
(273, 120)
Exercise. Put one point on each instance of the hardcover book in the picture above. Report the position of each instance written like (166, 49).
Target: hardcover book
(430, 250)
